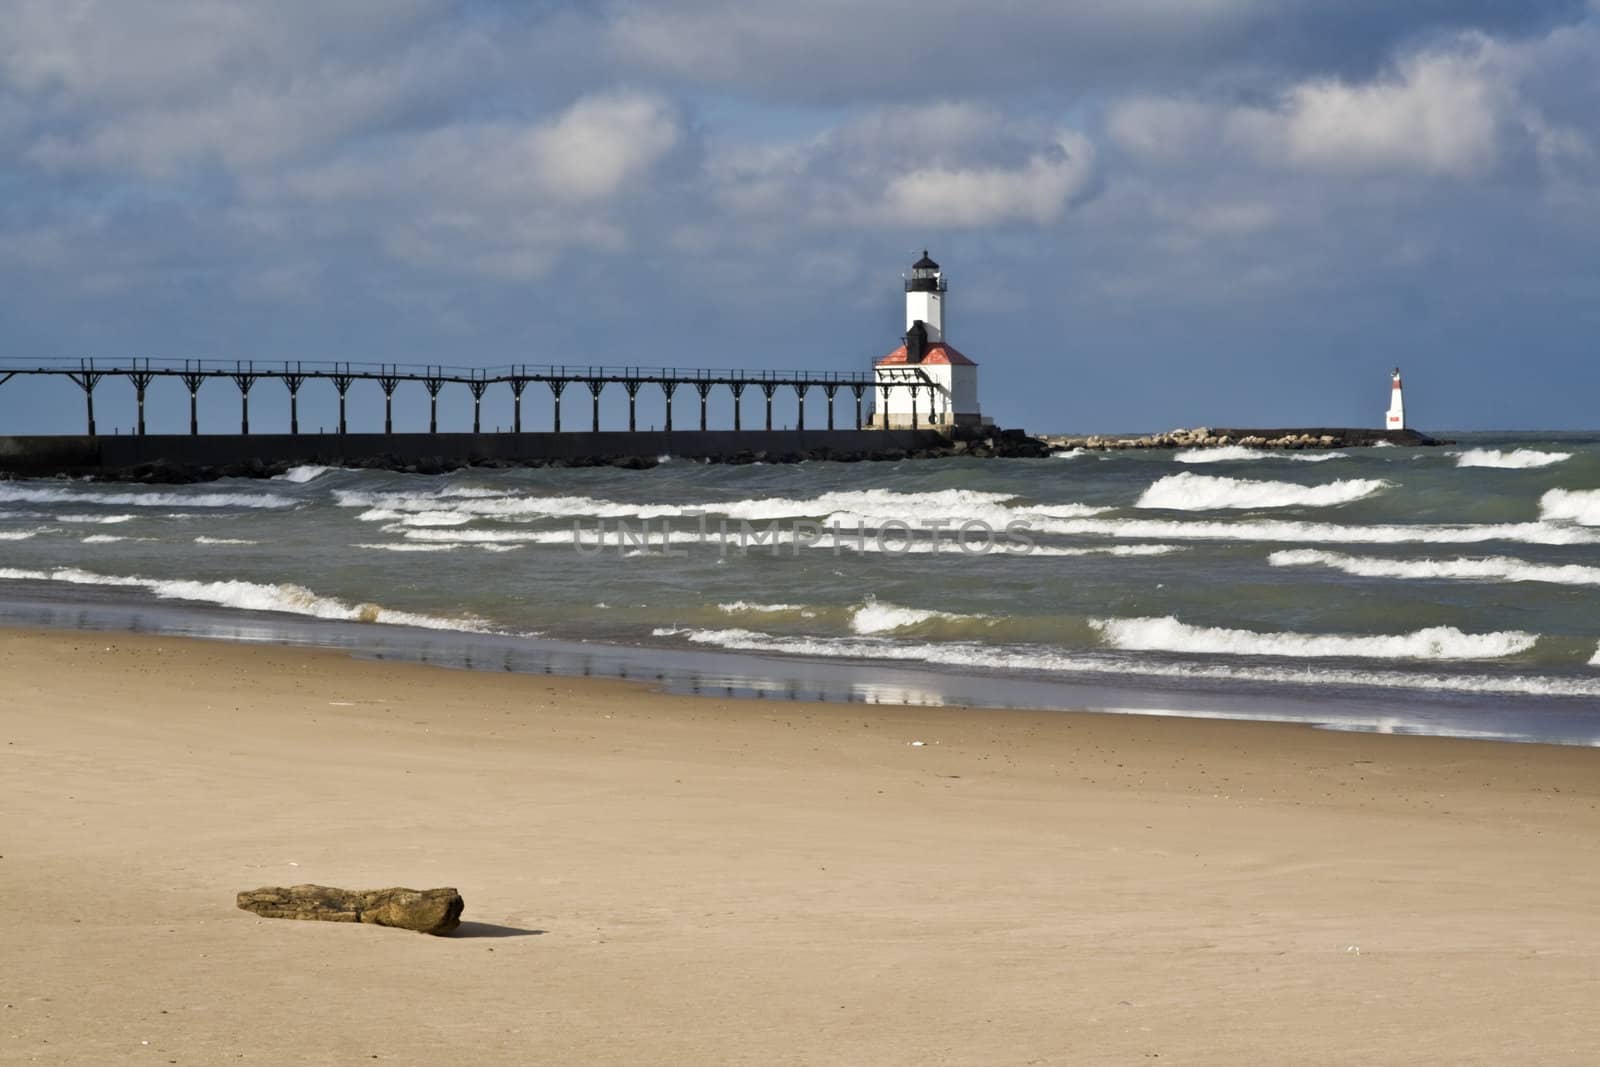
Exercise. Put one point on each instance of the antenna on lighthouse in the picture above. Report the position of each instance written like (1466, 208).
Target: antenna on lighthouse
(1395, 418)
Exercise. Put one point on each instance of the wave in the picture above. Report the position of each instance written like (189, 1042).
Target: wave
(19, 535)
(104, 520)
(301, 475)
(251, 596)
(1239, 453)
(1518, 459)
(1489, 569)
(1434, 643)
(987, 657)
(1581, 506)
(872, 505)
(9, 494)
(878, 618)
(203, 540)
(407, 547)
(737, 606)
(1204, 492)
(1594, 661)
(1283, 530)
(418, 518)
(789, 540)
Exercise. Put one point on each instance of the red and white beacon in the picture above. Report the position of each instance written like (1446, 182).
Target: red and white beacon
(1395, 419)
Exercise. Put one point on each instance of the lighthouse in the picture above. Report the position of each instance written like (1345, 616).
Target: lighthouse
(926, 383)
(1395, 418)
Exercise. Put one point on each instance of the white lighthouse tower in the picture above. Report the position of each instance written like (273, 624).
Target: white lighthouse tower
(926, 383)
(1395, 418)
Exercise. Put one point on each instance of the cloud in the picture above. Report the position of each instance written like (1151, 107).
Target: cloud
(1439, 112)
(158, 88)
(948, 166)
(846, 50)
(500, 198)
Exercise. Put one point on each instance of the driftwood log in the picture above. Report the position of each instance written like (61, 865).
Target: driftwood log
(430, 911)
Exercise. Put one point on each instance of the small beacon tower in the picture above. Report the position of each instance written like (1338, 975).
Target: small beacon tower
(925, 383)
(1395, 418)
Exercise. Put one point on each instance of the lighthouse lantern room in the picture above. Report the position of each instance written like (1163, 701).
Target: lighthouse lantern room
(926, 383)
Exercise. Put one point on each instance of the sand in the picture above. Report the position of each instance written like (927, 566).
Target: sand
(665, 880)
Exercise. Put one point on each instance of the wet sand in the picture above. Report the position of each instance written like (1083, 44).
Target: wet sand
(655, 879)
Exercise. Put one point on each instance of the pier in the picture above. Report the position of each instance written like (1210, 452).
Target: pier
(194, 374)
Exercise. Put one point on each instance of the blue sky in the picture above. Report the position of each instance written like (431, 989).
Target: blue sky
(1152, 213)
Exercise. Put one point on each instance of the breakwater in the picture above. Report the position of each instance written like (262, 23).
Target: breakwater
(1209, 437)
(182, 458)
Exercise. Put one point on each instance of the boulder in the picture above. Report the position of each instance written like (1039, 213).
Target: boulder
(428, 911)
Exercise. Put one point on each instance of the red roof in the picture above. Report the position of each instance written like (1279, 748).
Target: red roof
(938, 352)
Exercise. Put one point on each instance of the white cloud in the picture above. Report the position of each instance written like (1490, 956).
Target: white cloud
(1037, 191)
(501, 198)
(1438, 112)
(1439, 115)
(948, 166)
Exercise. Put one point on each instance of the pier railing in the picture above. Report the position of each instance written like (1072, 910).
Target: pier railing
(193, 374)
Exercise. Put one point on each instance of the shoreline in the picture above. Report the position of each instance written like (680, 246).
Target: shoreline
(672, 879)
(758, 676)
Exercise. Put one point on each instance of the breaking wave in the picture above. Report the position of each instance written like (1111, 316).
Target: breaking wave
(965, 654)
(878, 618)
(737, 606)
(301, 475)
(1203, 492)
(11, 494)
(1282, 530)
(102, 520)
(251, 596)
(18, 535)
(1581, 506)
(1434, 643)
(1517, 459)
(1239, 453)
(1489, 569)
(204, 540)
(872, 505)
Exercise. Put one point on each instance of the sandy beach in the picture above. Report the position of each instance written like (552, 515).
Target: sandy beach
(652, 879)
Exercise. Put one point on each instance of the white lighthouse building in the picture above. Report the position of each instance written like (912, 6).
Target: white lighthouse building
(1395, 417)
(926, 382)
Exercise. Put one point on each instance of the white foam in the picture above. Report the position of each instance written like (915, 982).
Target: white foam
(1594, 661)
(301, 475)
(18, 535)
(1239, 453)
(966, 654)
(143, 500)
(1518, 459)
(251, 596)
(1581, 506)
(1281, 530)
(1434, 643)
(875, 505)
(101, 520)
(1487, 569)
(738, 606)
(875, 617)
(1072, 454)
(102, 539)
(204, 540)
(1204, 492)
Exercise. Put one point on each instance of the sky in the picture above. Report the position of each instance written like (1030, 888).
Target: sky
(1152, 213)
